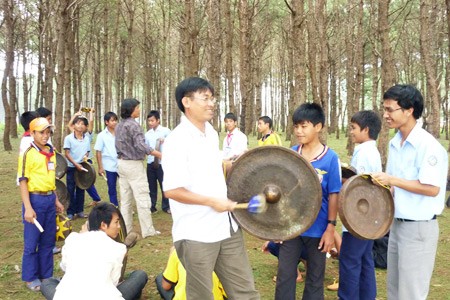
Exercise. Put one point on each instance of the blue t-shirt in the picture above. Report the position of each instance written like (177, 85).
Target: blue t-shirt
(328, 169)
(78, 148)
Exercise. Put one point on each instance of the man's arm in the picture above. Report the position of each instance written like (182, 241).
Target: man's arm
(29, 213)
(70, 158)
(413, 186)
(327, 240)
(187, 197)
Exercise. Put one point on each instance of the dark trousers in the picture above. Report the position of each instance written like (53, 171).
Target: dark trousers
(155, 176)
(356, 269)
(37, 259)
(92, 191)
(289, 256)
(76, 194)
(112, 187)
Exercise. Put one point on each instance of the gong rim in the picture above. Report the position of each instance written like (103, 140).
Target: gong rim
(61, 166)
(123, 229)
(301, 197)
(62, 193)
(85, 180)
(361, 211)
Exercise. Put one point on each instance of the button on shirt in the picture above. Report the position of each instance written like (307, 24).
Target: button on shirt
(152, 135)
(421, 157)
(192, 160)
(106, 144)
(130, 140)
(234, 143)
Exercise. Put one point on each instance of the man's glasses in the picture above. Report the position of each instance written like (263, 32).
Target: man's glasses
(205, 100)
(390, 110)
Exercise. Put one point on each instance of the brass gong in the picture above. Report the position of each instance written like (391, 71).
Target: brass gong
(62, 193)
(365, 209)
(83, 179)
(291, 187)
(61, 166)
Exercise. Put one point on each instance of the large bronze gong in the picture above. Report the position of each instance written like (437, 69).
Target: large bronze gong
(83, 179)
(61, 166)
(291, 187)
(62, 193)
(365, 209)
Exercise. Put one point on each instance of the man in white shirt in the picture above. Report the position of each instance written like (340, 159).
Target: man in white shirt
(92, 262)
(417, 173)
(235, 142)
(155, 174)
(205, 235)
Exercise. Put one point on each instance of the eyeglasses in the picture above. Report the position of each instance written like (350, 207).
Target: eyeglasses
(205, 100)
(390, 110)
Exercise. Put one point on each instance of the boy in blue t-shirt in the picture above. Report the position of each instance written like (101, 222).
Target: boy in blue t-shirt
(356, 266)
(308, 120)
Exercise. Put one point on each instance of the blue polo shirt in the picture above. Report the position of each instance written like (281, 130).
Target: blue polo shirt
(106, 144)
(78, 148)
(328, 169)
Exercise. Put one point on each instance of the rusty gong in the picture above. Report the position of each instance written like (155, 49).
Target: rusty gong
(83, 179)
(61, 165)
(156, 161)
(365, 209)
(62, 193)
(347, 171)
(291, 187)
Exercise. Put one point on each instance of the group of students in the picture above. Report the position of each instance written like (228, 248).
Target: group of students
(206, 237)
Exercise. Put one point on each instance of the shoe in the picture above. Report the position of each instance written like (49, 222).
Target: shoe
(153, 210)
(334, 286)
(167, 211)
(70, 216)
(35, 285)
(82, 215)
(131, 239)
(56, 250)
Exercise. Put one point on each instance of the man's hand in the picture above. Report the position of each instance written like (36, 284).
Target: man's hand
(327, 240)
(220, 206)
(29, 215)
(381, 178)
(59, 206)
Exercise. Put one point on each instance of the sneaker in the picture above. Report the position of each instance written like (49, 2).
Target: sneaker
(82, 215)
(34, 285)
(167, 211)
(131, 239)
(70, 216)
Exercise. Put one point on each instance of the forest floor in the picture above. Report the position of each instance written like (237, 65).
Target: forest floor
(151, 254)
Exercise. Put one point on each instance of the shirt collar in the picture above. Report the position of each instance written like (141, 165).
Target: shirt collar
(413, 137)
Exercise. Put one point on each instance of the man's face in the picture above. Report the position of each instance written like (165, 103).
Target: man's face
(136, 112)
(153, 123)
(113, 229)
(394, 115)
(230, 124)
(200, 106)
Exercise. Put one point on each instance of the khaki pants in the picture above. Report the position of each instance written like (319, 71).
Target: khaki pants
(133, 185)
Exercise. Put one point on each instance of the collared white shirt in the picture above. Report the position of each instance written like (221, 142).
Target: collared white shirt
(421, 157)
(106, 144)
(152, 135)
(92, 262)
(192, 160)
(234, 143)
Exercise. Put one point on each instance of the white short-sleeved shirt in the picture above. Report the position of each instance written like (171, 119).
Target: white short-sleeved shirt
(234, 143)
(89, 275)
(106, 144)
(78, 148)
(421, 157)
(192, 160)
(366, 159)
(152, 135)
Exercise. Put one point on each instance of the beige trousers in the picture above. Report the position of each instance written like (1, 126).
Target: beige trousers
(133, 185)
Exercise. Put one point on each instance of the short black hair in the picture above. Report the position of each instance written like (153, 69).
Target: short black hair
(127, 107)
(26, 118)
(407, 96)
(153, 113)
(80, 118)
(109, 115)
(189, 86)
(43, 112)
(368, 119)
(266, 120)
(309, 112)
(230, 116)
(102, 212)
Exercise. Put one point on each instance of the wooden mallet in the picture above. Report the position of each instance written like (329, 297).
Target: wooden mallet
(256, 205)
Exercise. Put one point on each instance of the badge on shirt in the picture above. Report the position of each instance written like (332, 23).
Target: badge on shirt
(51, 166)
(432, 160)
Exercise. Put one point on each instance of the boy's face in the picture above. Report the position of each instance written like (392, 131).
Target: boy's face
(153, 122)
(357, 134)
(306, 132)
(113, 229)
(41, 137)
(111, 123)
(200, 105)
(79, 126)
(230, 124)
(263, 127)
(136, 112)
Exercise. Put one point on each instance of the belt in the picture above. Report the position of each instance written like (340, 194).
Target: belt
(408, 220)
(42, 193)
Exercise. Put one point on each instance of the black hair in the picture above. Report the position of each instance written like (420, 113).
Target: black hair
(109, 115)
(407, 96)
(230, 116)
(101, 213)
(266, 120)
(43, 112)
(127, 107)
(80, 118)
(368, 119)
(26, 118)
(153, 113)
(310, 112)
(189, 86)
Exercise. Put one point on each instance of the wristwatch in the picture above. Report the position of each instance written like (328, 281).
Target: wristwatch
(332, 222)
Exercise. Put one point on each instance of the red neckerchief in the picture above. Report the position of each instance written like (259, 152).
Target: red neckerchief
(48, 155)
(229, 138)
(26, 133)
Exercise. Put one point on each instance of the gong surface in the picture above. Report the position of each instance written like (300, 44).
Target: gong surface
(61, 166)
(365, 209)
(85, 180)
(62, 193)
(156, 161)
(301, 192)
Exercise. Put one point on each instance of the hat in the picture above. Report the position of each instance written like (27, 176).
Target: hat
(40, 124)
